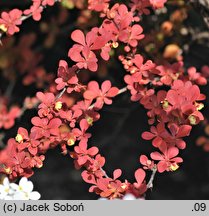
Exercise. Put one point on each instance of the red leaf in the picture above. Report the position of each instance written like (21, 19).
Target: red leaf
(84, 125)
(147, 135)
(117, 173)
(172, 152)
(143, 159)
(92, 65)
(40, 96)
(93, 151)
(63, 63)
(78, 37)
(181, 144)
(82, 160)
(158, 141)
(184, 130)
(36, 121)
(89, 95)
(156, 156)
(55, 123)
(23, 132)
(140, 176)
(106, 85)
(161, 166)
(112, 92)
(33, 151)
(88, 178)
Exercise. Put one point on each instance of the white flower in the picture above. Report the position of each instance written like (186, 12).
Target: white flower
(5, 189)
(129, 197)
(23, 191)
(26, 190)
(102, 198)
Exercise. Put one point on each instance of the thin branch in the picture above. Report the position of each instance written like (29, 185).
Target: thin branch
(120, 92)
(61, 93)
(150, 183)
(9, 89)
(105, 174)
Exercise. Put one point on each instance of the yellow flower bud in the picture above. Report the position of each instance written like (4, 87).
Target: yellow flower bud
(90, 120)
(71, 142)
(58, 105)
(40, 165)
(8, 170)
(19, 138)
(115, 44)
(192, 120)
(3, 28)
(174, 167)
(165, 104)
(199, 106)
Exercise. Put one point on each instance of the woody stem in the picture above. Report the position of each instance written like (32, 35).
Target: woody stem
(150, 183)
(120, 92)
(61, 93)
(105, 174)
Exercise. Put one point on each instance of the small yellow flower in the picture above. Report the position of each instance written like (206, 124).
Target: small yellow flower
(149, 162)
(19, 138)
(165, 104)
(90, 120)
(133, 70)
(8, 170)
(58, 105)
(40, 165)
(115, 44)
(3, 28)
(174, 167)
(199, 106)
(192, 120)
(71, 142)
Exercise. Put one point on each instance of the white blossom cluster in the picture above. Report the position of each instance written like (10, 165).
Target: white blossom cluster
(21, 191)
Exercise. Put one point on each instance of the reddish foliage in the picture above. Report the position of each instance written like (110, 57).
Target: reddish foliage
(11, 20)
